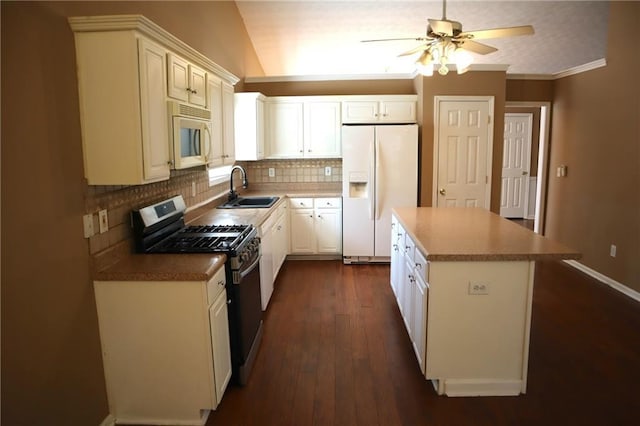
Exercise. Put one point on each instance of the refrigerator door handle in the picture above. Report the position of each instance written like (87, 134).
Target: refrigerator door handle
(378, 180)
(372, 181)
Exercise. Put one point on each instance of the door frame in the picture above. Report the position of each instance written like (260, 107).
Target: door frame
(543, 159)
(490, 100)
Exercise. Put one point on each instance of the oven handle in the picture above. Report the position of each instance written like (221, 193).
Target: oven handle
(250, 268)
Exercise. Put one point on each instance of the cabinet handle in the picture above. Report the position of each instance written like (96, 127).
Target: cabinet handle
(319, 217)
(308, 150)
(301, 151)
(221, 283)
(418, 265)
(311, 216)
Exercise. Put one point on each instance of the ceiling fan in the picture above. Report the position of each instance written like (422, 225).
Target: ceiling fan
(445, 42)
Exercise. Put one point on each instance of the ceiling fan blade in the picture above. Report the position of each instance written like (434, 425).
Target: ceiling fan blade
(475, 47)
(498, 32)
(415, 50)
(396, 39)
(443, 27)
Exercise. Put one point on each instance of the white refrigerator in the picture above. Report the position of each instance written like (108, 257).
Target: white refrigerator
(379, 172)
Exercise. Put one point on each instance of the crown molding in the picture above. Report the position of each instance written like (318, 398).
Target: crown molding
(581, 68)
(571, 71)
(152, 30)
(382, 76)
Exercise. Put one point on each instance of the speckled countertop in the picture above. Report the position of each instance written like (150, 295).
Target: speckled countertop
(194, 267)
(163, 267)
(459, 234)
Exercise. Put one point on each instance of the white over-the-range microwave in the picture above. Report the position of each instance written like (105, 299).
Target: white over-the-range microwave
(190, 133)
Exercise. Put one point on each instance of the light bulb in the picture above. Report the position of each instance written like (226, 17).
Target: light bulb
(424, 64)
(443, 70)
(463, 60)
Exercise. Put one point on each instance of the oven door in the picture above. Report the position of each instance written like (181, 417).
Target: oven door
(191, 142)
(245, 318)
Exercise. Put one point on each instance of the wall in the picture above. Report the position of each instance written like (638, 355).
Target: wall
(596, 133)
(51, 360)
(484, 83)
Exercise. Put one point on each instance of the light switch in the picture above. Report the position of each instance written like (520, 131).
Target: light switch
(103, 220)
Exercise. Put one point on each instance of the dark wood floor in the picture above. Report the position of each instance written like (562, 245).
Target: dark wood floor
(335, 352)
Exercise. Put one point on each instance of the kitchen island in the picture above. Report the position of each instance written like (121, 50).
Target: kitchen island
(463, 279)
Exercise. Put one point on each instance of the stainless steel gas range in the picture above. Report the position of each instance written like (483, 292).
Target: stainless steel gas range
(160, 228)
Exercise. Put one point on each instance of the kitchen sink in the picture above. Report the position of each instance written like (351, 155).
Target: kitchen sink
(249, 203)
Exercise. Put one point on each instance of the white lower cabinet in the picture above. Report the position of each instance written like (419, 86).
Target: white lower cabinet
(266, 261)
(274, 244)
(409, 281)
(316, 225)
(165, 348)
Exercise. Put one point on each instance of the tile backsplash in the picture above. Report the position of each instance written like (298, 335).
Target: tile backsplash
(120, 200)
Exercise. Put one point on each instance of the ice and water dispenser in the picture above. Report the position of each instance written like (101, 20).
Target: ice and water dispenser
(358, 185)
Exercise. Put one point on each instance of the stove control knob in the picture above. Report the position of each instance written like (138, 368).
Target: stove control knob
(244, 256)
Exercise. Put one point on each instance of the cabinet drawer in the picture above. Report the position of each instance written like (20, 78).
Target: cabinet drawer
(301, 203)
(215, 286)
(421, 265)
(327, 203)
(409, 247)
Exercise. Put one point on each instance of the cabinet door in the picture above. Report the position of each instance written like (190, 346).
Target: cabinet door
(328, 227)
(215, 157)
(178, 82)
(249, 116)
(303, 240)
(155, 137)
(280, 242)
(408, 283)
(360, 111)
(285, 129)
(228, 141)
(398, 111)
(322, 129)
(197, 86)
(219, 323)
(419, 328)
(266, 262)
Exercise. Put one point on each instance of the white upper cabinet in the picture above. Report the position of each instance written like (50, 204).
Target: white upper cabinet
(379, 109)
(128, 68)
(285, 130)
(322, 133)
(249, 126)
(220, 102)
(303, 127)
(187, 82)
(122, 92)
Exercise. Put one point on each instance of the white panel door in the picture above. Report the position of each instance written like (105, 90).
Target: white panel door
(396, 171)
(516, 159)
(463, 153)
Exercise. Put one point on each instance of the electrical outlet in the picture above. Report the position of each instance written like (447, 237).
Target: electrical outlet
(327, 171)
(103, 220)
(613, 250)
(272, 172)
(87, 222)
(478, 287)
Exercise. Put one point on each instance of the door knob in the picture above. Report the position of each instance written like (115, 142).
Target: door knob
(524, 173)
(443, 191)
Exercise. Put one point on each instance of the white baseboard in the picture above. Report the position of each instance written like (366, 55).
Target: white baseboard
(606, 280)
(108, 421)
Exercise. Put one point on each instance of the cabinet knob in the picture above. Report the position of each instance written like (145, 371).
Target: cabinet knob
(301, 150)
(308, 150)
(221, 283)
(311, 215)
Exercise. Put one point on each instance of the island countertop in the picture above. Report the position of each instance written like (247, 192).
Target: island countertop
(476, 234)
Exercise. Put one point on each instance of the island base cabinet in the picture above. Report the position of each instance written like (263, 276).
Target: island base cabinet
(160, 340)
(478, 322)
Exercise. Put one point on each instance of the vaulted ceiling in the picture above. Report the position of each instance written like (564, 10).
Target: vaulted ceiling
(304, 37)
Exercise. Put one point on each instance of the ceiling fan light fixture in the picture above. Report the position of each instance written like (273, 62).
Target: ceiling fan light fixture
(463, 60)
(443, 70)
(424, 64)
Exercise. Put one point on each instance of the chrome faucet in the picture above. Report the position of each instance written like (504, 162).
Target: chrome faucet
(245, 183)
